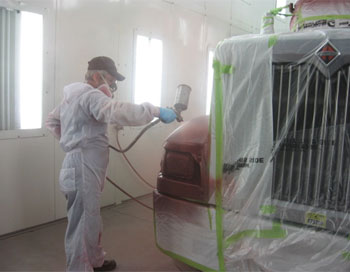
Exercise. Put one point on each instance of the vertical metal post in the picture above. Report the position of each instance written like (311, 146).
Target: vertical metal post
(300, 168)
(274, 179)
(279, 105)
(310, 151)
(347, 197)
(294, 109)
(332, 179)
(286, 129)
(279, 181)
(320, 154)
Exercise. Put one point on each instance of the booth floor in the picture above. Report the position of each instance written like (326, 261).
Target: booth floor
(128, 237)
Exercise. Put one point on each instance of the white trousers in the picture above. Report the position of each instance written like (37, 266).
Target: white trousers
(81, 180)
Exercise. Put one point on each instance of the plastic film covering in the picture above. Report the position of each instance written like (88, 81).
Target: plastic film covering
(186, 231)
(267, 24)
(280, 152)
(315, 14)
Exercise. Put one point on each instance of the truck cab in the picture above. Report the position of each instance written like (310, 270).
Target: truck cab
(278, 198)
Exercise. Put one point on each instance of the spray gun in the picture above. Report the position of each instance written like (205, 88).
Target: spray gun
(181, 102)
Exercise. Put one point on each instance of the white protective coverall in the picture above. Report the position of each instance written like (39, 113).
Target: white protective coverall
(80, 123)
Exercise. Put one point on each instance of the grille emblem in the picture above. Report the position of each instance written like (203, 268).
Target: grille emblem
(327, 53)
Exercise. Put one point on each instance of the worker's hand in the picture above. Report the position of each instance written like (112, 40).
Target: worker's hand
(167, 115)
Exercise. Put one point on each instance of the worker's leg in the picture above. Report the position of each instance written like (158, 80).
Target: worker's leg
(83, 233)
(95, 162)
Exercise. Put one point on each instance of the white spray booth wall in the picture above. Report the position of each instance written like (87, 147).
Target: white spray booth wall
(74, 32)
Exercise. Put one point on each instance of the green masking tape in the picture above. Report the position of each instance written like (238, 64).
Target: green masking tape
(275, 11)
(276, 232)
(346, 255)
(273, 40)
(185, 260)
(218, 68)
(301, 20)
(323, 17)
(266, 25)
(176, 256)
(268, 209)
(298, 16)
(227, 69)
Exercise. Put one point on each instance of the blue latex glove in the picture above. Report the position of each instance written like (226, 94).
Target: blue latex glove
(167, 115)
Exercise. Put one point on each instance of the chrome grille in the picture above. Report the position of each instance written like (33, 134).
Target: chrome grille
(311, 141)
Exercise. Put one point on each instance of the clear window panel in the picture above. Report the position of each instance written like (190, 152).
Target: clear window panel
(210, 76)
(281, 3)
(31, 70)
(148, 70)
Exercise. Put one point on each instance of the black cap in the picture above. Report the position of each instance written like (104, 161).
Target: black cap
(105, 64)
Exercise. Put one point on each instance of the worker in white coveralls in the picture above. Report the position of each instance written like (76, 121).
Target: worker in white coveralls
(80, 124)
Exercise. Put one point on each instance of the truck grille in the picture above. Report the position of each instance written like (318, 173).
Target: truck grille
(311, 144)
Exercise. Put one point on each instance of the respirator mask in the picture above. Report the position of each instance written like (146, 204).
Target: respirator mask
(112, 88)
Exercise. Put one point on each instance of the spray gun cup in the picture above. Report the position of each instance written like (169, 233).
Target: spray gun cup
(181, 100)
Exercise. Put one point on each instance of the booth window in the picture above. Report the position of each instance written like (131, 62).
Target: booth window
(281, 3)
(210, 76)
(21, 62)
(148, 70)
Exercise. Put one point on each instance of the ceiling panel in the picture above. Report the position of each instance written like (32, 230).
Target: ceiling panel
(242, 14)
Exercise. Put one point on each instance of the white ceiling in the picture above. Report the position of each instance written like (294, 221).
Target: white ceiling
(244, 14)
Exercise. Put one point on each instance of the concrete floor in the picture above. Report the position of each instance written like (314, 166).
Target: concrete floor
(128, 237)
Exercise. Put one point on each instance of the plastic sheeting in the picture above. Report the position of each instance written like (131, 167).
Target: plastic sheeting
(186, 231)
(267, 24)
(280, 151)
(280, 154)
(315, 14)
